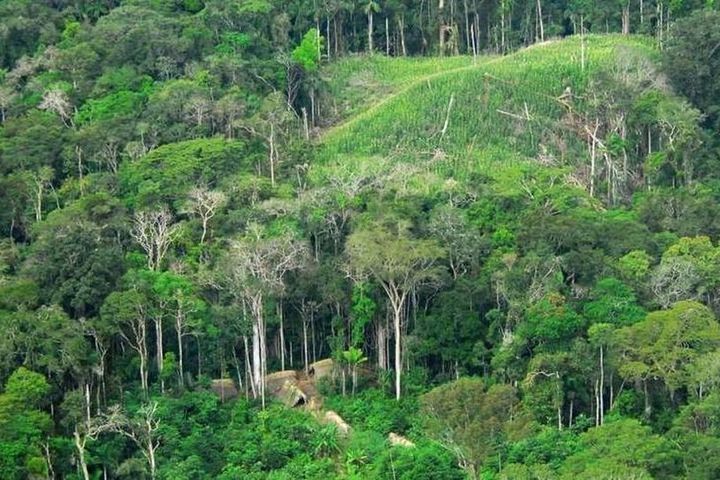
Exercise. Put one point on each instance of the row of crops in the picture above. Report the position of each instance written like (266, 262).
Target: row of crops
(497, 111)
(354, 83)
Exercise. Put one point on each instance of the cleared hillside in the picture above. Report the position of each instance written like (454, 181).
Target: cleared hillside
(517, 107)
(356, 83)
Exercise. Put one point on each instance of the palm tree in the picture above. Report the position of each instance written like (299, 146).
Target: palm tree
(371, 8)
(354, 357)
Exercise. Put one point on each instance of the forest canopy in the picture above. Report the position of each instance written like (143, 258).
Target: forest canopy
(377, 239)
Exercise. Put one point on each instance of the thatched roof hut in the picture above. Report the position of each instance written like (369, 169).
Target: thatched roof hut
(342, 427)
(274, 382)
(399, 441)
(292, 395)
(285, 387)
(322, 368)
(225, 388)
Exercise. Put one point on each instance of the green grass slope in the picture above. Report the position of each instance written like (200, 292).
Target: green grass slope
(456, 115)
(357, 82)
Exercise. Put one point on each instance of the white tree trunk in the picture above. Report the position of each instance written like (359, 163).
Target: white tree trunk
(540, 21)
(398, 302)
(179, 332)
(370, 31)
(80, 447)
(159, 350)
(282, 337)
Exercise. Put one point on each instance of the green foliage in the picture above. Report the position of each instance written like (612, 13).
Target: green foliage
(551, 321)
(613, 302)
(258, 442)
(665, 344)
(691, 61)
(307, 54)
(363, 310)
(622, 447)
(374, 411)
(23, 424)
(167, 174)
(510, 214)
(473, 419)
(425, 462)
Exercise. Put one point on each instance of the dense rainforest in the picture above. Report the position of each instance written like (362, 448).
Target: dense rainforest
(361, 239)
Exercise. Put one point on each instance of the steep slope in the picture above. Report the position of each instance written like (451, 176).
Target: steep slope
(523, 106)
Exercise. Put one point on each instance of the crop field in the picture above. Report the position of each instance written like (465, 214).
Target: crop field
(459, 117)
(357, 82)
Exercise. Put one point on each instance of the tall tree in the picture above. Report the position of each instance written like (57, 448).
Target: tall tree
(400, 265)
(257, 267)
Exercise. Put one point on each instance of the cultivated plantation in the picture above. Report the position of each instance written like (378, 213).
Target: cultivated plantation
(435, 240)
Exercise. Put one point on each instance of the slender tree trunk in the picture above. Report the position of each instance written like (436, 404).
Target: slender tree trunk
(80, 447)
(327, 35)
(151, 459)
(144, 374)
(343, 381)
(398, 302)
(238, 373)
(272, 154)
(401, 25)
(159, 350)
(468, 47)
(259, 346)
(382, 352)
(179, 332)
(263, 358)
(601, 399)
(312, 335)
(335, 32)
(313, 108)
(502, 28)
(354, 379)
(204, 229)
(626, 19)
(387, 36)
(370, 31)
(38, 200)
(256, 364)
(597, 403)
(248, 370)
(305, 347)
(540, 20)
(282, 336)
(642, 12)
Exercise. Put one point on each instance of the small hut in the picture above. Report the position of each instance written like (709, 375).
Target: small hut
(342, 427)
(292, 395)
(322, 368)
(224, 388)
(274, 382)
(285, 387)
(399, 441)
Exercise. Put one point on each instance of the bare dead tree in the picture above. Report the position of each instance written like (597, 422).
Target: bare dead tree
(56, 101)
(205, 204)
(41, 179)
(154, 231)
(134, 332)
(257, 267)
(143, 432)
(7, 96)
(197, 109)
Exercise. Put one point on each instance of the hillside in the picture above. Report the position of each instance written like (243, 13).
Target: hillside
(382, 240)
(493, 109)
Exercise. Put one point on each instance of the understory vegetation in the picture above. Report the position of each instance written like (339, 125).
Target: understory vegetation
(495, 225)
